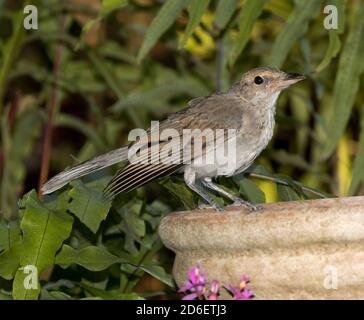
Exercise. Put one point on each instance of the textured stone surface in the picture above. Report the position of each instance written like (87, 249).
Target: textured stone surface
(288, 249)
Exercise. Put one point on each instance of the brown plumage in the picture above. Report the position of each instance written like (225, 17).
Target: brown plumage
(248, 108)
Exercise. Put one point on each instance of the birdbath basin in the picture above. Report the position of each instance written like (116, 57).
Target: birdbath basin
(310, 249)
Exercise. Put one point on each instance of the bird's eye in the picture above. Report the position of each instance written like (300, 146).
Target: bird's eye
(258, 80)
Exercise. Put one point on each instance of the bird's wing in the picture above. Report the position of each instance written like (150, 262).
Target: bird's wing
(220, 111)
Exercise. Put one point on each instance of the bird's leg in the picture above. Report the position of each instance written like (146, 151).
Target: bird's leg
(207, 182)
(200, 190)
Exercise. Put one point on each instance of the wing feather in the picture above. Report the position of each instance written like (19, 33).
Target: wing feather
(197, 116)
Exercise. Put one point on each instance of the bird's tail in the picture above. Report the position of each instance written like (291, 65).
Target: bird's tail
(95, 164)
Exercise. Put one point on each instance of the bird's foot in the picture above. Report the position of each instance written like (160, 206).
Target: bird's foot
(203, 206)
(215, 206)
(218, 208)
(241, 202)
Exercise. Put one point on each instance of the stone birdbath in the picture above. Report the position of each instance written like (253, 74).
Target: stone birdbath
(311, 249)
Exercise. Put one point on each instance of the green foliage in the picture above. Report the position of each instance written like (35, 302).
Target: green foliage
(249, 13)
(10, 50)
(26, 131)
(164, 19)
(9, 260)
(195, 10)
(347, 80)
(182, 192)
(334, 36)
(43, 231)
(111, 5)
(286, 193)
(224, 12)
(9, 234)
(92, 258)
(88, 204)
(249, 190)
(107, 7)
(85, 247)
(293, 30)
(358, 167)
(46, 225)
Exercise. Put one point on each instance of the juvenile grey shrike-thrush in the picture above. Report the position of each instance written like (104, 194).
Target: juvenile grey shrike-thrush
(247, 108)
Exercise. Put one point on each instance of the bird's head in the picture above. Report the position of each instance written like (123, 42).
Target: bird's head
(265, 83)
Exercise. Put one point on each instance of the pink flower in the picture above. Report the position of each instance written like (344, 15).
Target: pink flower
(196, 284)
(214, 290)
(238, 294)
(244, 280)
(243, 292)
(196, 287)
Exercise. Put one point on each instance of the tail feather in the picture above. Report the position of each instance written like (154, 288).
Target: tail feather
(95, 164)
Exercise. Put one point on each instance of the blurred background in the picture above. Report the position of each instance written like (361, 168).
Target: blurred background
(93, 70)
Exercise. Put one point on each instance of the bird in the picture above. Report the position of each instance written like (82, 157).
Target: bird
(247, 109)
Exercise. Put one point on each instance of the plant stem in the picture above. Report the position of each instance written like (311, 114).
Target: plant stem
(107, 74)
(5, 136)
(10, 52)
(280, 181)
(219, 63)
(51, 108)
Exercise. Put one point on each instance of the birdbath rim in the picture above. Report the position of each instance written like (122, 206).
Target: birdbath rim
(280, 224)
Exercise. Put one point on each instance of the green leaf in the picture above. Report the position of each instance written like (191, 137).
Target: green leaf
(169, 12)
(250, 12)
(332, 50)
(132, 224)
(9, 261)
(77, 124)
(10, 50)
(183, 193)
(159, 273)
(111, 294)
(92, 258)
(107, 73)
(334, 40)
(54, 295)
(224, 11)
(249, 190)
(293, 30)
(128, 296)
(287, 193)
(111, 5)
(258, 171)
(281, 8)
(19, 147)
(358, 167)
(107, 7)
(159, 95)
(88, 204)
(347, 81)
(195, 11)
(131, 217)
(19, 290)
(9, 234)
(43, 234)
(5, 296)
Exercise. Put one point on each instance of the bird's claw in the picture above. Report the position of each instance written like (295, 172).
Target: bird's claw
(215, 206)
(252, 207)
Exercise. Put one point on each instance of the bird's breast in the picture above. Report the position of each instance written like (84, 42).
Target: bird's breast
(253, 139)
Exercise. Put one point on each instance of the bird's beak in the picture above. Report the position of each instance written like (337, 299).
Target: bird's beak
(294, 77)
(287, 79)
(290, 78)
